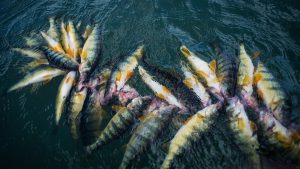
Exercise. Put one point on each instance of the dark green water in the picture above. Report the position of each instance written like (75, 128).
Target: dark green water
(27, 121)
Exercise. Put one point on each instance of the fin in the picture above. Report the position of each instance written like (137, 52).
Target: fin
(118, 76)
(160, 95)
(129, 75)
(220, 78)
(253, 126)
(188, 83)
(257, 77)
(255, 54)
(201, 73)
(260, 93)
(213, 65)
(187, 120)
(166, 90)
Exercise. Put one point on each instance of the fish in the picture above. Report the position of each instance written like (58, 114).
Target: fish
(189, 132)
(90, 54)
(120, 122)
(244, 130)
(75, 107)
(277, 136)
(41, 75)
(65, 40)
(59, 60)
(54, 45)
(123, 72)
(74, 41)
(63, 92)
(226, 70)
(191, 81)
(35, 54)
(87, 32)
(269, 90)
(53, 29)
(126, 94)
(158, 89)
(204, 70)
(146, 132)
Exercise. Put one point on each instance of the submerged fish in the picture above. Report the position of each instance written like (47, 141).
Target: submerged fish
(204, 70)
(35, 54)
(59, 60)
(226, 70)
(269, 90)
(76, 105)
(146, 132)
(53, 29)
(87, 32)
(191, 131)
(74, 41)
(63, 92)
(90, 54)
(191, 81)
(121, 121)
(45, 74)
(123, 73)
(243, 130)
(278, 137)
(54, 45)
(158, 89)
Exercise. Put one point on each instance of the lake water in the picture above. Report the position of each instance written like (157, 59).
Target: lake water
(27, 116)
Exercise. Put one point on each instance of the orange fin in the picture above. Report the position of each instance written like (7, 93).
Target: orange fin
(201, 73)
(166, 90)
(257, 77)
(118, 76)
(129, 75)
(213, 65)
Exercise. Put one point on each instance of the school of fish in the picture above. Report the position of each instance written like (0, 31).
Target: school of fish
(200, 90)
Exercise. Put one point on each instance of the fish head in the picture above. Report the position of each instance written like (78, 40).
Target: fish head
(185, 51)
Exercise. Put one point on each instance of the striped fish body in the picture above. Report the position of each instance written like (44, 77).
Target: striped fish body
(226, 70)
(158, 89)
(53, 29)
(54, 45)
(75, 107)
(245, 72)
(60, 60)
(65, 40)
(191, 131)
(74, 41)
(123, 72)
(203, 70)
(120, 122)
(269, 90)
(279, 137)
(148, 130)
(63, 92)
(36, 77)
(191, 81)
(243, 130)
(35, 54)
(90, 53)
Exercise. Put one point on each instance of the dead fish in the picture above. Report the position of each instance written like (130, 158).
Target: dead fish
(204, 70)
(124, 117)
(76, 105)
(191, 81)
(35, 54)
(278, 137)
(269, 90)
(38, 76)
(74, 41)
(123, 72)
(126, 94)
(63, 92)
(53, 29)
(90, 54)
(59, 60)
(87, 32)
(158, 89)
(65, 40)
(243, 130)
(226, 70)
(191, 131)
(146, 132)
(54, 45)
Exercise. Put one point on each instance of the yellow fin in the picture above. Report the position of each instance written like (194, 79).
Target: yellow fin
(213, 65)
(167, 91)
(187, 120)
(118, 76)
(142, 117)
(129, 74)
(160, 95)
(188, 82)
(257, 77)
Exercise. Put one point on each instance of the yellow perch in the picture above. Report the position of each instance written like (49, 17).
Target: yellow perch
(269, 90)
(63, 92)
(35, 54)
(36, 77)
(203, 70)
(191, 131)
(53, 30)
(191, 81)
(158, 89)
(74, 41)
(243, 130)
(54, 45)
(65, 40)
(87, 32)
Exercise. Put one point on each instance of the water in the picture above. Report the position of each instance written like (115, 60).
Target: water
(27, 141)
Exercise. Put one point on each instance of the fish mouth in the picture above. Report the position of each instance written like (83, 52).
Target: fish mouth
(185, 51)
